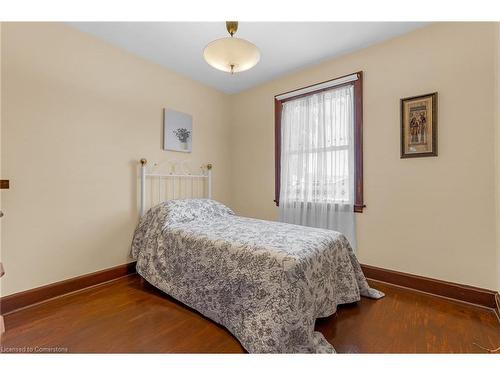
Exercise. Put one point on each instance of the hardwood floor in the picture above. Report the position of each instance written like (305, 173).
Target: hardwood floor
(129, 316)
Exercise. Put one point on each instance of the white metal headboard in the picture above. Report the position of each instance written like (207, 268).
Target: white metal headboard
(173, 176)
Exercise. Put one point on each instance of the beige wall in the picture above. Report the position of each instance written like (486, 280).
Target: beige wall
(497, 147)
(1, 145)
(429, 216)
(77, 115)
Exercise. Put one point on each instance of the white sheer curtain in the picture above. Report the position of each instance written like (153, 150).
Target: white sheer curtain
(317, 161)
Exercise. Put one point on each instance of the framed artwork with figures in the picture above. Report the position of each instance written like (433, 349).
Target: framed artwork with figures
(419, 126)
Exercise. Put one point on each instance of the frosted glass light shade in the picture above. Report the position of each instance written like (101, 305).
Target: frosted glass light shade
(222, 53)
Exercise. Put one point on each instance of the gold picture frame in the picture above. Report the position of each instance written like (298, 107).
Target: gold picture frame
(419, 126)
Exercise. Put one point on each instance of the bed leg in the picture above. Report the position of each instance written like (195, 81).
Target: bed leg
(142, 282)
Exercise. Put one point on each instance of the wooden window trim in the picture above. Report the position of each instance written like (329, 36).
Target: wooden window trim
(358, 138)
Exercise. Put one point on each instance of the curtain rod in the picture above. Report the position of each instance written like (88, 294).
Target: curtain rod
(319, 86)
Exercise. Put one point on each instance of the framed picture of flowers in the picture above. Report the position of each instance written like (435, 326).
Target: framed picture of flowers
(419, 126)
(177, 131)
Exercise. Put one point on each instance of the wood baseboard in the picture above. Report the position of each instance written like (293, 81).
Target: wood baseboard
(26, 298)
(478, 296)
(497, 309)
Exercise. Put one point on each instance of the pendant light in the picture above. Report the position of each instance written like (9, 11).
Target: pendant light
(231, 54)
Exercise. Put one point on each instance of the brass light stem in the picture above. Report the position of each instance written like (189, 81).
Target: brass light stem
(232, 27)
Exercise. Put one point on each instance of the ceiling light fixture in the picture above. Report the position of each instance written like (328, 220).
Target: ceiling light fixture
(231, 54)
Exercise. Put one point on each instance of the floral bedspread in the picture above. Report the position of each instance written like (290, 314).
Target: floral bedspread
(265, 281)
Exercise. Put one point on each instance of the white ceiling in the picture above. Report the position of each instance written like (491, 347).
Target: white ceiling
(284, 46)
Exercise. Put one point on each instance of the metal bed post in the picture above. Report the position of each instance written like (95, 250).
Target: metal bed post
(209, 172)
(143, 186)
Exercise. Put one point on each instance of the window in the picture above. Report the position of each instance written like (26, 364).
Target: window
(318, 143)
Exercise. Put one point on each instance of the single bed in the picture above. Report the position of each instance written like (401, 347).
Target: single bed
(266, 282)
